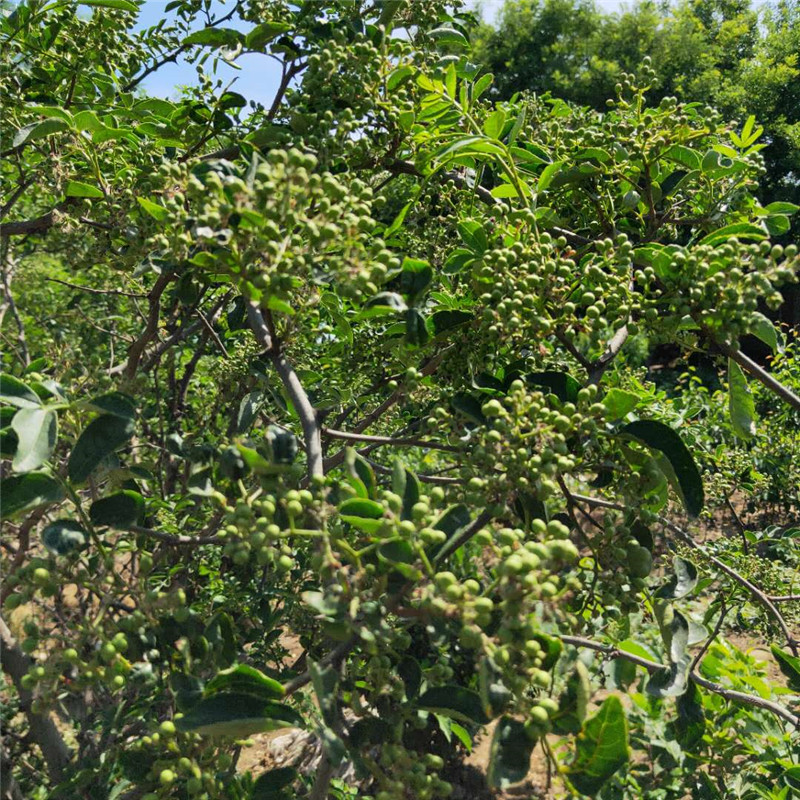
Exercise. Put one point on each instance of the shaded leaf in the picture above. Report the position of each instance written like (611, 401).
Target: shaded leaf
(99, 440)
(25, 492)
(120, 510)
(455, 702)
(681, 582)
(237, 715)
(64, 536)
(789, 666)
(510, 754)
(661, 437)
(14, 392)
(601, 748)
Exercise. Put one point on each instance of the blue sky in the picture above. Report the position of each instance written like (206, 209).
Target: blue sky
(258, 77)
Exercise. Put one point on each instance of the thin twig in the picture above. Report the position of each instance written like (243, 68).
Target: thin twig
(364, 437)
(654, 666)
(758, 593)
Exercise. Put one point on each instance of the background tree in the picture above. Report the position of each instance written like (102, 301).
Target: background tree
(732, 56)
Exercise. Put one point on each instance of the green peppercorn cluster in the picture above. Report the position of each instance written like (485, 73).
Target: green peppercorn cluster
(718, 287)
(277, 227)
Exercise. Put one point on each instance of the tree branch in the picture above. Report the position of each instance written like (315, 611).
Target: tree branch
(654, 666)
(483, 519)
(154, 300)
(42, 729)
(760, 595)
(364, 437)
(297, 394)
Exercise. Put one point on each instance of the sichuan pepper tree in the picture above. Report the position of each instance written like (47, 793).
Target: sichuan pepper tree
(355, 376)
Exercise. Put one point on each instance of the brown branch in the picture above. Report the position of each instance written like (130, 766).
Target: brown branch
(654, 666)
(136, 350)
(481, 521)
(364, 437)
(179, 540)
(42, 729)
(90, 290)
(759, 594)
(615, 344)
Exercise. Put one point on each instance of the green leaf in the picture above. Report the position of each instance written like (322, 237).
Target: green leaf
(741, 406)
(764, 330)
(119, 510)
(214, 37)
(98, 441)
(37, 430)
(78, 189)
(445, 35)
(361, 507)
(510, 754)
(16, 393)
(270, 785)
(358, 467)
(739, 230)
(264, 33)
(38, 130)
(780, 207)
(548, 173)
(494, 124)
(789, 666)
(601, 748)
(684, 155)
(244, 679)
(415, 275)
(25, 492)
(237, 715)
(119, 5)
(681, 582)
(619, 403)
(573, 702)
(473, 235)
(157, 212)
(64, 536)
(455, 702)
(691, 722)
(481, 85)
(116, 403)
(561, 384)
(661, 437)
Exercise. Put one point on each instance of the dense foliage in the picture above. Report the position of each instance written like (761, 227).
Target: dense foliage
(739, 57)
(336, 414)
